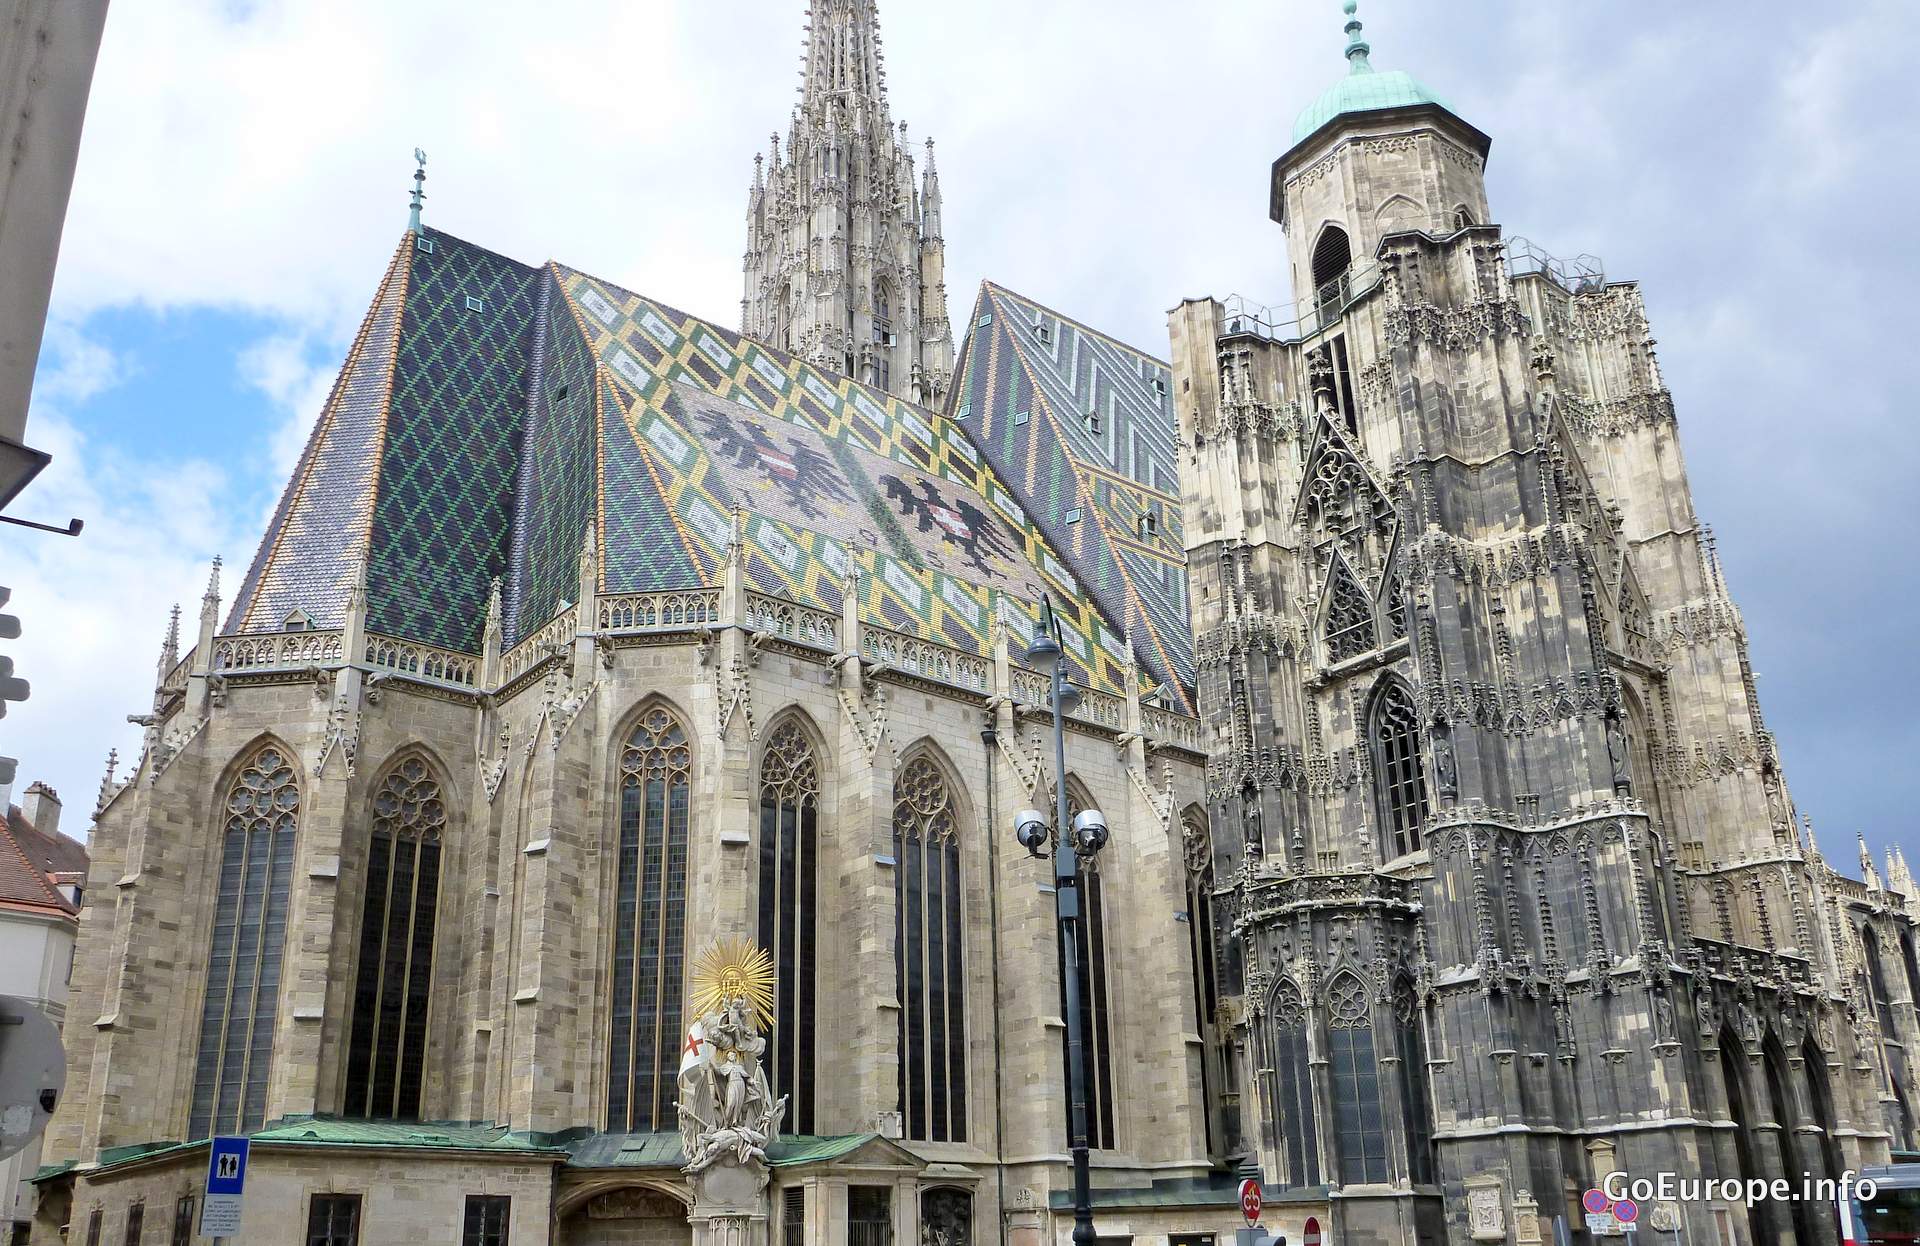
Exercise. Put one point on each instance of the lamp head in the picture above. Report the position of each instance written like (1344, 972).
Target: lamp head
(1043, 654)
(1030, 828)
(1089, 832)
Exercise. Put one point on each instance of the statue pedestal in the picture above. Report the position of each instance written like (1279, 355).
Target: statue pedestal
(729, 1206)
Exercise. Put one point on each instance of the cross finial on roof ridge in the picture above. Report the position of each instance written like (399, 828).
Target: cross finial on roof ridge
(419, 195)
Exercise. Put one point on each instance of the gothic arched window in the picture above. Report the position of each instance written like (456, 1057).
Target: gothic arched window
(1733, 1058)
(1204, 953)
(649, 927)
(1096, 1037)
(1350, 627)
(882, 335)
(1413, 1083)
(946, 1217)
(1877, 983)
(262, 815)
(789, 869)
(1820, 1101)
(1796, 1146)
(1393, 732)
(1332, 256)
(1355, 1075)
(929, 971)
(1290, 1112)
(386, 1048)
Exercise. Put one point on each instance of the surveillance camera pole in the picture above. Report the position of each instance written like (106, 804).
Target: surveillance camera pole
(1066, 899)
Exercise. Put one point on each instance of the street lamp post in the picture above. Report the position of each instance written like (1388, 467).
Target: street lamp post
(1084, 838)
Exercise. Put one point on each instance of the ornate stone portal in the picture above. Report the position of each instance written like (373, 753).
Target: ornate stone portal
(728, 1113)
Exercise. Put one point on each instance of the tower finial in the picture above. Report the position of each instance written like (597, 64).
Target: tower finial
(419, 190)
(1357, 48)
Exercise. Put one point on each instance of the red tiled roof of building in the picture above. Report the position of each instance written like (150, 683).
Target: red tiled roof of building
(29, 862)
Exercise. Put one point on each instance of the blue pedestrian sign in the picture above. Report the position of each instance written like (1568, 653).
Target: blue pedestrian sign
(226, 1182)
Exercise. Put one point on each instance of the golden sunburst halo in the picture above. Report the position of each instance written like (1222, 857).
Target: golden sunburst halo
(734, 969)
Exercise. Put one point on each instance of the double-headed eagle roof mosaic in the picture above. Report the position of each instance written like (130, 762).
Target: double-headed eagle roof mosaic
(489, 411)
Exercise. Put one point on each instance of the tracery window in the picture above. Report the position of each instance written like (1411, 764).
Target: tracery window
(882, 336)
(1204, 953)
(1399, 780)
(789, 863)
(1290, 1087)
(1350, 629)
(1356, 1081)
(1096, 1039)
(650, 910)
(1877, 983)
(243, 962)
(386, 1049)
(1413, 1083)
(929, 973)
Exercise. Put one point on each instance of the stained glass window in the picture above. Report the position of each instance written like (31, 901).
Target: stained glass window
(1203, 954)
(928, 969)
(1355, 1075)
(1407, 1015)
(386, 1049)
(789, 812)
(1096, 1038)
(650, 909)
(1401, 783)
(1289, 1079)
(262, 815)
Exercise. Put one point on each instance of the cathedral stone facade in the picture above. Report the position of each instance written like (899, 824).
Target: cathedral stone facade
(1452, 866)
(1514, 889)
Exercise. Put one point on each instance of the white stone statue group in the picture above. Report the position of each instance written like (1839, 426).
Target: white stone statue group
(727, 1110)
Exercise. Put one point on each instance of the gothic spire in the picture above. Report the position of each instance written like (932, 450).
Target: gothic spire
(1868, 875)
(930, 200)
(170, 647)
(844, 62)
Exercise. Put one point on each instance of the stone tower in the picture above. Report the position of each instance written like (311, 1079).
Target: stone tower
(845, 262)
(1516, 896)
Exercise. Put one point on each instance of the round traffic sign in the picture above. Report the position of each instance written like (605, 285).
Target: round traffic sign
(1596, 1202)
(1250, 1200)
(1311, 1235)
(1626, 1211)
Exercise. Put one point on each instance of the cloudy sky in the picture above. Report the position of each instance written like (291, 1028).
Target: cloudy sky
(244, 173)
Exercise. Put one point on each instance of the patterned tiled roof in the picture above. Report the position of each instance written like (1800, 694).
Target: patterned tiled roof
(1081, 428)
(490, 410)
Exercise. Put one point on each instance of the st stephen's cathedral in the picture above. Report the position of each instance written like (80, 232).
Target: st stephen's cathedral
(1452, 865)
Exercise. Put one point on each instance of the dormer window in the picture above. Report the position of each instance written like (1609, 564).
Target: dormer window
(1045, 331)
(1093, 422)
(1149, 525)
(298, 621)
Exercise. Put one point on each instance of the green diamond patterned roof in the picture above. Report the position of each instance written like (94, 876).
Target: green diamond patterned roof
(1081, 428)
(490, 412)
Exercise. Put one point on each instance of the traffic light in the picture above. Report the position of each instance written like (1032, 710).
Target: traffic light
(11, 689)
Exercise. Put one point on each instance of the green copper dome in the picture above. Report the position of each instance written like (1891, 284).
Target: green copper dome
(1364, 89)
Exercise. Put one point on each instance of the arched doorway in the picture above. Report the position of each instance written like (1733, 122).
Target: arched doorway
(628, 1216)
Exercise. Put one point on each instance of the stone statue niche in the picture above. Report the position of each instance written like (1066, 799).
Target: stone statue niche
(728, 1113)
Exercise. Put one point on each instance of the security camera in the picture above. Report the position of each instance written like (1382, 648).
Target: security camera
(1090, 832)
(1030, 828)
